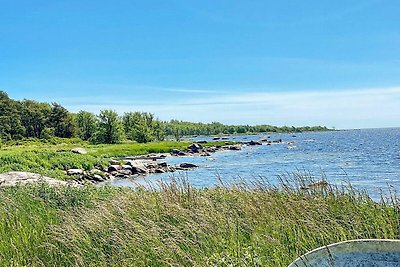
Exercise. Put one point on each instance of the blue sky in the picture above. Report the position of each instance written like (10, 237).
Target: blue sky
(333, 63)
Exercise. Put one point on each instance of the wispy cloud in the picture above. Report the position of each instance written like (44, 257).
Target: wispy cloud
(351, 108)
(194, 91)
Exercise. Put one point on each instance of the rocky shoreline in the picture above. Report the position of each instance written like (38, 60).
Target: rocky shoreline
(131, 166)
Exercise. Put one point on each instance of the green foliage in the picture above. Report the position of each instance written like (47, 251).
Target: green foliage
(181, 226)
(109, 128)
(34, 117)
(87, 124)
(178, 129)
(46, 161)
(61, 121)
(142, 127)
(10, 119)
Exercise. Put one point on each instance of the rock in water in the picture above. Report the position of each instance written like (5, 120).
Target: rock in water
(195, 148)
(188, 165)
(254, 143)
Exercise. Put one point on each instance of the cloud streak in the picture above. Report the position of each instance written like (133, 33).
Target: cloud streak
(352, 108)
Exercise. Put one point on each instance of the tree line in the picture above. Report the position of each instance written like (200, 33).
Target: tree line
(33, 119)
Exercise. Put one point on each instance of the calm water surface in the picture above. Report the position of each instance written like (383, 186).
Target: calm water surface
(369, 159)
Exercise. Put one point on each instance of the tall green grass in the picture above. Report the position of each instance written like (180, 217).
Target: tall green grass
(177, 225)
(46, 162)
(52, 160)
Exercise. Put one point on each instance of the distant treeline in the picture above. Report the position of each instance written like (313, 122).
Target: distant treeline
(32, 119)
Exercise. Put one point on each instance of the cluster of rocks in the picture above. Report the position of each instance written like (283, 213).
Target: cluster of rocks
(149, 164)
(126, 169)
(198, 150)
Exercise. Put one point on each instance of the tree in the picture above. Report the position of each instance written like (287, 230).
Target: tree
(142, 127)
(109, 130)
(34, 116)
(87, 123)
(158, 130)
(10, 119)
(62, 121)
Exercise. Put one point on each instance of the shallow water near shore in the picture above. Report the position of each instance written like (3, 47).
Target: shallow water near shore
(368, 159)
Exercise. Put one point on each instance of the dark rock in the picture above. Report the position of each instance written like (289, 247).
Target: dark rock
(125, 172)
(210, 149)
(159, 171)
(235, 148)
(277, 141)
(216, 138)
(113, 168)
(202, 142)
(130, 162)
(254, 143)
(175, 151)
(188, 165)
(139, 170)
(195, 147)
(163, 164)
(79, 150)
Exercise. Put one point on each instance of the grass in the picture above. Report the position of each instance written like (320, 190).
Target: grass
(177, 225)
(48, 158)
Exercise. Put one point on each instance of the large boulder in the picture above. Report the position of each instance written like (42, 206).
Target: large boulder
(195, 148)
(137, 167)
(126, 167)
(254, 143)
(15, 178)
(139, 170)
(114, 168)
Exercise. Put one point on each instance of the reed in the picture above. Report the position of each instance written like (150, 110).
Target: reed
(175, 224)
